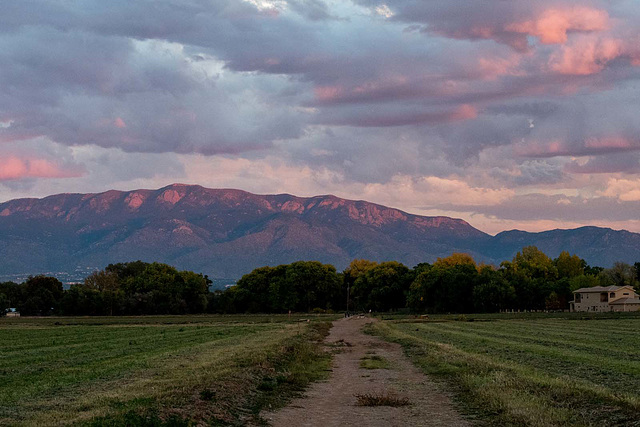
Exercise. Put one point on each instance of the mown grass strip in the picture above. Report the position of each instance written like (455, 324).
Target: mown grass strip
(507, 391)
(558, 351)
(619, 372)
(214, 373)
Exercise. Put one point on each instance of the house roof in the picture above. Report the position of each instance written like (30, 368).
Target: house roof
(635, 301)
(601, 289)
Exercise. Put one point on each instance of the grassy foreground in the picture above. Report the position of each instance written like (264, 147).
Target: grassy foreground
(154, 370)
(535, 372)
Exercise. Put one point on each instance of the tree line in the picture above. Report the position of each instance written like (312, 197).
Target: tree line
(455, 284)
(132, 288)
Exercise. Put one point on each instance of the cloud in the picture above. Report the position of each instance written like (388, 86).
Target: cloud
(559, 207)
(313, 10)
(400, 100)
(178, 81)
(606, 164)
(402, 118)
(625, 190)
(14, 168)
(585, 56)
(552, 25)
(585, 147)
(510, 23)
(383, 10)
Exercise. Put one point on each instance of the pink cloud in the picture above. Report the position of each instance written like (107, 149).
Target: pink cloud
(492, 67)
(382, 89)
(119, 123)
(552, 26)
(13, 168)
(626, 190)
(586, 56)
(549, 149)
(590, 146)
(328, 93)
(464, 112)
(611, 143)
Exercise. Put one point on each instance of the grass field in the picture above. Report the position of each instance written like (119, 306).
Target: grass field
(539, 371)
(150, 370)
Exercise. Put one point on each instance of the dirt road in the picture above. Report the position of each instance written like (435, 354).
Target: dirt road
(334, 402)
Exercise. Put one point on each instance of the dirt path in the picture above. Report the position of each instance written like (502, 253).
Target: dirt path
(333, 403)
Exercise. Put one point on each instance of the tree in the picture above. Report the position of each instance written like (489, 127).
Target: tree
(592, 271)
(234, 300)
(583, 281)
(194, 291)
(493, 292)
(535, 264)
(144, 288)
(317, 285)
(455, 259)
(382, 287)
(299, 286)
(621, 274)
(14, 294)
(282, 292)
(569, 266)
(127, 269)
(102, 281)
(420, 268)
(532, 274)
(258, 284)
(356, 268)
(107, 284)
(553, 302)
(81, 300)
(43, 293)
(4, 304)
(446, 287)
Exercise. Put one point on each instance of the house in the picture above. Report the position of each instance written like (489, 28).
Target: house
(609, 298)
(12, 312)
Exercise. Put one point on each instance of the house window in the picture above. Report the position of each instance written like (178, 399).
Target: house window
(612, 295)
(604, 297)
(578, 298)
(626, 293)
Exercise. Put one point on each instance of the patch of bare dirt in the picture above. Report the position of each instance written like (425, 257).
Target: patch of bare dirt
(334, 402)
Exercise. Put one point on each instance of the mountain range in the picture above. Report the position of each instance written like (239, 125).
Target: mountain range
(227, 233)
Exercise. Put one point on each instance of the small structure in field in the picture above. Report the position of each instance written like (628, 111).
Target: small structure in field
(609, 298)
(12, 312)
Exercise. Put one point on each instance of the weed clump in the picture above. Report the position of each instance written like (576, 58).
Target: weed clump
(381, 399)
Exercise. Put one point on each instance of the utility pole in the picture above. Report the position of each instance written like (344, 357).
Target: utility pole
(348, 293)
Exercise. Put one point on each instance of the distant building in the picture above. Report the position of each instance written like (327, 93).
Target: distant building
(12, 312)
(610, 298)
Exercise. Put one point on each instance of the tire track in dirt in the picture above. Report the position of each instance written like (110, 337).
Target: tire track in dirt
(334, 402)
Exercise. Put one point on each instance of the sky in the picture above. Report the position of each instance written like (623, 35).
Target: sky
(510, 114)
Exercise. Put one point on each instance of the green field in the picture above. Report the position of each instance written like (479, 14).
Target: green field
(558, 371)
(111, 371)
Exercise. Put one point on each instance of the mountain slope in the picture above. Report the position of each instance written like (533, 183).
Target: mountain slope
(599, 246)
(224, 233)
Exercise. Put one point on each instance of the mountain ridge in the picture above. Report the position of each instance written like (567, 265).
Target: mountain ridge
(228, 232)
